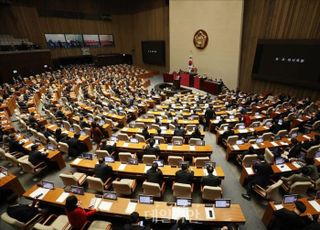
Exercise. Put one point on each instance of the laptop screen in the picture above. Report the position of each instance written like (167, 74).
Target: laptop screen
(279, 160)
(82, 133)
(133, 161)
(47, 184)
(184, 202)
(242, 127)
(144, 199)
(294, 135)
(88, 156)
(4, 170)
(177, 142)
(109, 195)
(239, 142)
(222, 203)
(134, 140)
(159, 162)
(259, 140)
(77, 190)
(231, 117)
(50, 147)
(290, 198)
(109, 159)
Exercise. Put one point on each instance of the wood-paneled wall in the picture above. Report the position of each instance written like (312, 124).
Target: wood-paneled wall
(132, 22)
(276, 19)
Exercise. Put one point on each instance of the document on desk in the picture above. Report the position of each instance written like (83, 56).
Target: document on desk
(97, 202)
(214, 172)
(274, 144)
(125, 145)
(249, 170)
(210, 213)
(315, 205)
(178, 212)
(146, 168)
(278, 206)
(265, 127)
(39, 191)
(307, 137)
(205, 172)
(131, 207)
(169, 147)
(284, 168)
(284, 143)
(295, 164)
(29, 145)
(192, 148)
(242, 131)
(62, 197)
(76, 161)
(255, 146)
(122, 167)
(235, 147)
(105, 205)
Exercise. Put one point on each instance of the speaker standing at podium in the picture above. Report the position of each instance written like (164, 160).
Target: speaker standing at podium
(176, 82)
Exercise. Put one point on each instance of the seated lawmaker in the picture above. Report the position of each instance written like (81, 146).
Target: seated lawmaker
(184, 175)
(36, 157)
(179, 131)
(196, 133)
(150, 149)
(154, 174)
(210, 179)
(145, 133)
(76, 147)
(103, 171)
(135, 223)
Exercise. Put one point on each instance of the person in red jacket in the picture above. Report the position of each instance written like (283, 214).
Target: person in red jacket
(77, 216)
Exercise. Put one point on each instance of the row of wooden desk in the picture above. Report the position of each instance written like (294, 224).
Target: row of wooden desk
(158, 212)
(140, 169)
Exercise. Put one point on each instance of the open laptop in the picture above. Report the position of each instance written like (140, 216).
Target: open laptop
(87, 156)
(177, 142)
(50, 147)
(259, 140)
(77, 190)
(231, 117)
(109, 159)
(279, 160)
(146, 199)
(159, 162)
(287, 199)
(47, 184)
(222, 203)
(110, 195)
(134, 140)
(239, 142)
(133, 161)
(183, 202)
(242, 127)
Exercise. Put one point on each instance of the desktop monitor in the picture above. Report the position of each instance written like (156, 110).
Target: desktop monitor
(231, 117)
(317, 154)
(279, 160)
(222, 203)
(4, 170)
(133, 161)
(277, 138)
(257, 114)
(268, 123)
(134, 140)
(159, 162)
(225, 128)
(183, 202)
(287, 199)
(145, 199)
(50, 147)
(110, 195)
(77, 190)
(113, 138)
(177, 142)
(47, 184)
(239, 142)
(259, 140)
(109, 159)
(242, 127)
(87, 156)
(184, 163)
(210, 163)
(294, 135)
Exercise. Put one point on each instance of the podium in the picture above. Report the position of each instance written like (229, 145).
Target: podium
(176, 82)
(167, 77)
(198, 82)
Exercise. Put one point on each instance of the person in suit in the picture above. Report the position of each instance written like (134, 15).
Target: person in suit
(295, 150)
(287, 219)
(184, 175)
(179, 131)
(32, 120)
(103, 171)
(60, 136)
(36, 157)
(145, 133)
(182, 224)
(210, 179)
(82, 123)
(208, 115)
(76, 147)
(263, 172)
(135, 223)
(303, 176)
(112, 149)
(154, 174)
(196, 133)
(150, 149)
(14, 145)
(95, 133)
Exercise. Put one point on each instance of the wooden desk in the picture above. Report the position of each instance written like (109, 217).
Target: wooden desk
(157, 212)
(166, 121)
(140, 169)
(181, 150)
(268, 214)
(12, 182)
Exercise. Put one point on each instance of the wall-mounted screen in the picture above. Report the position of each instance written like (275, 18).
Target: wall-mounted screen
(91, 40)
(292, 62)
(56, 40)
(153, 52)
(106, 40)
(74, 40)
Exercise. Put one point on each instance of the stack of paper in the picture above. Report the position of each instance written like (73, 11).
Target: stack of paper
(205, 172)
(62, 197)
(105, 206)
(131, 207)
(284, 143)
(76, 161)
(178, 212)
(307, 137)
(122, 167)
(278, 206)
(315, 205)
(235, 147)
(274, 144)
(38, 191)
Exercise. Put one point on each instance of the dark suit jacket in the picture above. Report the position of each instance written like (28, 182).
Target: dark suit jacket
(285, 219)
(151, 151)
(154, 176)
(210, 180)
(179, 132)
(184, 176)
(103, 171)
(209, 114)
(76, 147)
(263, 172)
(37, 157)
(22, 212)
(295, 151)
